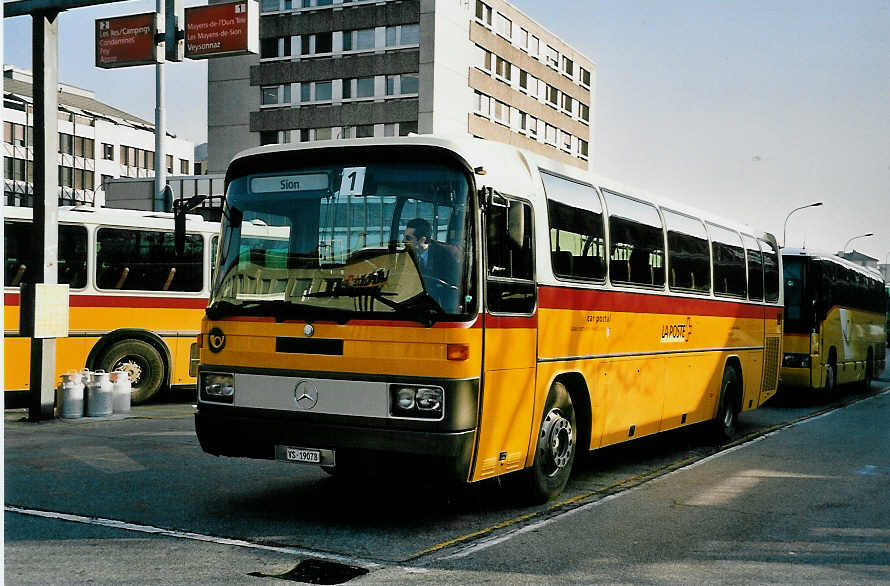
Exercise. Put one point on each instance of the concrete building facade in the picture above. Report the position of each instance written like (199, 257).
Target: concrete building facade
(97, 142)
(350, 69)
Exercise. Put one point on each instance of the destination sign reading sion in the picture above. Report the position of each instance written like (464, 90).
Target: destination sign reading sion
(282, 183)
(221, 29)
(124, 41)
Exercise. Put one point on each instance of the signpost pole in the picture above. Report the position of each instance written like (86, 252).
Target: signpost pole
(45, 59)
(160, 128)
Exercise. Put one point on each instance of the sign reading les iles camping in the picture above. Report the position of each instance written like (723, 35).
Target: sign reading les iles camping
(126, 40)
(221, 29)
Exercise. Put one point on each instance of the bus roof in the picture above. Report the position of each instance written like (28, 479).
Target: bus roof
(115, 216)
(508, 169)
(833, 258)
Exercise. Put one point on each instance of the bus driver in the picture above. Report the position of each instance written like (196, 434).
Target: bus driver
(436, 261)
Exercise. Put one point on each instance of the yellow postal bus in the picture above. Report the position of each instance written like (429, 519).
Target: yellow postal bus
(836, 312)
(474, 306)
(134, 304)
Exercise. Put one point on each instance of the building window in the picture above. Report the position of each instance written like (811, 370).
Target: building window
(483, 59)
(550, 134)
(66, 144)
(107, 151)
(409, 84)
(585, 77)
(362, 87)
(483, 13)
(399, 36)
(406, 128)
(268, 137)
(275, 47)
(359, 40)
(552, 96)
(483, 104)
(532, 129)
(523, 39)
(551, 57)
(275, 94)
(534, 45)
(501, 112)
(323, 91)
(364, 131)
(169, 163)
(183, 166)
(584, 112)
(567, 103)
(504, 26)
(503, 69)
(582, 148)
(568, 66)
(270, 6)
(319, 44)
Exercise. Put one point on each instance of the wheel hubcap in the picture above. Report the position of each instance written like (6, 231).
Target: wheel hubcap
(132, 368)
(557, 441)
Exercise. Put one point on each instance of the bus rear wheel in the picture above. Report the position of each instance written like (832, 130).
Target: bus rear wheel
(727, 412)
(143, 364)
(555, 448)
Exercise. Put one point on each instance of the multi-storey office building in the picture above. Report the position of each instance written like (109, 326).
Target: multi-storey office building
(332, 69)
(96, 143)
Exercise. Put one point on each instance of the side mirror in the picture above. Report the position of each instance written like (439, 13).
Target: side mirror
(180, 208)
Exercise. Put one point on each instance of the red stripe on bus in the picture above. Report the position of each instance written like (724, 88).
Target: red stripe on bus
(13, 299)
(628, 302)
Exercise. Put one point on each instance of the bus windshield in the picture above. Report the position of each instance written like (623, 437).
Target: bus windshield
(798, 306)
(389, 240)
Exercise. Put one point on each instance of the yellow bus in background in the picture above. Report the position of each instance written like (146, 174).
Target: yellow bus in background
(472, 307)
(835, 315)
(134, 304)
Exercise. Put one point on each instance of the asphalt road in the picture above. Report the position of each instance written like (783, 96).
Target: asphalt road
(135, 500)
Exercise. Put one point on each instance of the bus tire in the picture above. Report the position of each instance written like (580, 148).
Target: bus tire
(727, 411)
(555, 448)
(869, 371)
(142, 362)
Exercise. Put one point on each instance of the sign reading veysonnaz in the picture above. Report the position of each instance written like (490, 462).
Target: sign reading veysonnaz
(126, 40)
(221, 29)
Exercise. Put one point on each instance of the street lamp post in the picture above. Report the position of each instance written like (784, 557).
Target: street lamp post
(844, 249)
(785, 229)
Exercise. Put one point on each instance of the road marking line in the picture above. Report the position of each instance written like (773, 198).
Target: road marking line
(125, 526)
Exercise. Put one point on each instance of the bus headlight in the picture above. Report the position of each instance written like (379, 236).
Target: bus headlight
(421, 402)
(217, 387)
(796, 360)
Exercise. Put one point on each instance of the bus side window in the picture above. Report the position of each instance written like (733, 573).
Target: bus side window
(72, 261)
(755, 268)
(145, 260)
(689, 260)
(577, 231)
(728, 258)
(771, 277)
(636, 241)
(510, 257)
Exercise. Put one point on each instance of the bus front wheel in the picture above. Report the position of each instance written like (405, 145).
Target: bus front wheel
(143, 364)
(555, 448)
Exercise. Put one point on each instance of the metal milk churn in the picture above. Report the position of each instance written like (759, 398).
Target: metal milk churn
(71, 396)
(99, 395)
(121, 391)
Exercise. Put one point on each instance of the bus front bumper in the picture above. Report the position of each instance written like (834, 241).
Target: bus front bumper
(240, 433)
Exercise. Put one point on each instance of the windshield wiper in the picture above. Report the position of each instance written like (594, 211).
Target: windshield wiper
(279, 309)
(423, 307)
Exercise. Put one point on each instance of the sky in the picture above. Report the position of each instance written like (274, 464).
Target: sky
(747, 108)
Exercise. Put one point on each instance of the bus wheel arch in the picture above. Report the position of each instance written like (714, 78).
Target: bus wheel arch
(555, 446)
(576, 386)
(147, 354)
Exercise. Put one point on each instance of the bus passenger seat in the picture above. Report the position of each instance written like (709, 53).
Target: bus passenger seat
(18, 275)
(169, 281)
(562, 261)
(123, 277)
